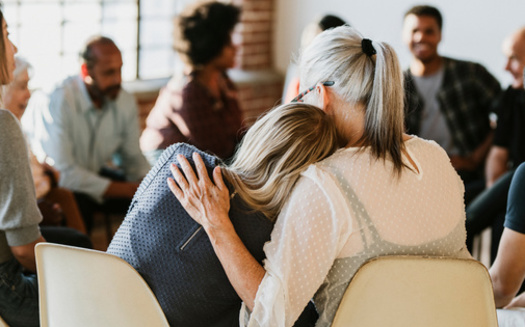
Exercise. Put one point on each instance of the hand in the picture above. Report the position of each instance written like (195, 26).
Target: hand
(518, 301)
(207, 203)
(51, 169)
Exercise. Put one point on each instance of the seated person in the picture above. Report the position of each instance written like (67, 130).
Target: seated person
(54, 202)
(291, 83)
(92, 123)
(199, 107)
(19, 214)
(172, 252)
(385, 193)
(507, 151)
(508, 270)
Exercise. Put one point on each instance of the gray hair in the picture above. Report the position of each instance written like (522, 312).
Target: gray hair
(375, 81)
(21, 65)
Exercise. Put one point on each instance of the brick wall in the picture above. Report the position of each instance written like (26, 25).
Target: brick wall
(260, 87)
(254, 33)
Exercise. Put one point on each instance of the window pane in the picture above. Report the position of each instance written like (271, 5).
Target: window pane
(35, 39)
(46, 70)
(50, 34)
(76, 35)
(129, 68)
(40, 13)
(158, 8)
(155, 63)
(82, 12)
(124, 33)
(117, 10)
(155, 33)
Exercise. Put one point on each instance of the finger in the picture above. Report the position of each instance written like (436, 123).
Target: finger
(187, 169)
(218, 180)
(201, 168)
(179, 177)
(175, 189)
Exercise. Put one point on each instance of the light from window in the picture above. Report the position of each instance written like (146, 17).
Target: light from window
(50, 34)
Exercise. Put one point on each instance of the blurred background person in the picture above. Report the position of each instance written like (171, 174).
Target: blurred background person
(201, 107)
(90, 130)
(291, 81)
(507, 151)
(448, 100)
(19, 213)
(54, 202)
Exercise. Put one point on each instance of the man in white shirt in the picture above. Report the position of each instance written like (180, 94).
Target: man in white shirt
(92, 124)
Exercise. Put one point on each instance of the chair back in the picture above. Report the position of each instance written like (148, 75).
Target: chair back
(80, 287)
(3, 323)
(418, 291)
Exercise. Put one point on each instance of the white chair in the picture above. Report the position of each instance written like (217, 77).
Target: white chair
(81, 288)
(406, 291)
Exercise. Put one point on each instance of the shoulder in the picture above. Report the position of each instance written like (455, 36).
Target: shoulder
(418, 144)
(125, 100)
(6, 117)
(187, 150)
(65, 93)
(13, 139)
(465, 65)
(190, 86)
(69, 85)
(8, 123)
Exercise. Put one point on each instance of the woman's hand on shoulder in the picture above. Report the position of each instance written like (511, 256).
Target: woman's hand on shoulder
(205, 201)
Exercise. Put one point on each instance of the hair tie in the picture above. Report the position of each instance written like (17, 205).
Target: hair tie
(368, 48)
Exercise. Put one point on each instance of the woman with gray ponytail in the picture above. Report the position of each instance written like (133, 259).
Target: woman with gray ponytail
(383, 193)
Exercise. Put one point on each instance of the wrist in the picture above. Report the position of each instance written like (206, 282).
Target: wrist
(223, 231)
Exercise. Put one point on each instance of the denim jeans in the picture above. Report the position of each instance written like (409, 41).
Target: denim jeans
(18, 295)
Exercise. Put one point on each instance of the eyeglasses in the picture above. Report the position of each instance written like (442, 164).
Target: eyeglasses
(301, 95)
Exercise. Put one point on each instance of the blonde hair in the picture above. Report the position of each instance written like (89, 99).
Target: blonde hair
(376, 81)
(274, 152)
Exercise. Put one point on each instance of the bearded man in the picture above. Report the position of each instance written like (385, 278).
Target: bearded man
(90, 131)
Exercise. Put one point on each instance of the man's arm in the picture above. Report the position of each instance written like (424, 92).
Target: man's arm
(508, 270)
(475, 158)
(25, 254)
(497, 161)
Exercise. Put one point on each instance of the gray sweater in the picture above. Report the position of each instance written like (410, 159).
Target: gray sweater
(19, 214)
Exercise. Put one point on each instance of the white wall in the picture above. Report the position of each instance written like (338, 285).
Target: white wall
(472, 30)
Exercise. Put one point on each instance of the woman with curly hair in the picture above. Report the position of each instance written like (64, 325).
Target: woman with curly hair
(201, 107)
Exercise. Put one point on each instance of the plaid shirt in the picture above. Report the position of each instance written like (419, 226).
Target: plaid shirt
(465, 99)
(188, 112)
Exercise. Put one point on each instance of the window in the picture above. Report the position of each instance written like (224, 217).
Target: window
(50, 34)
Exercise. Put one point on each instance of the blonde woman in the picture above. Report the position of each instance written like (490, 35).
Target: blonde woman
(173, 253)
(384, 193)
